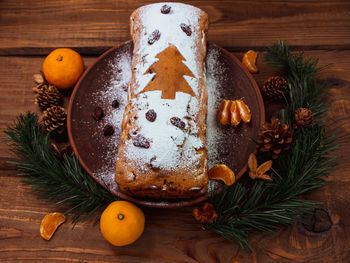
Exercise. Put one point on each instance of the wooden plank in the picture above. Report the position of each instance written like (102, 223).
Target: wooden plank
(91, 27)
(170, 235)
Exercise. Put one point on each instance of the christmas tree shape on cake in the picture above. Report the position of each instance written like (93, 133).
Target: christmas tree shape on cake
(169, 70)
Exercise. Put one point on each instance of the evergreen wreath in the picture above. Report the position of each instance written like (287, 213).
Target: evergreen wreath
(244, 208)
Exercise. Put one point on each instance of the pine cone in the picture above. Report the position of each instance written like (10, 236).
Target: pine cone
(47, 96)
(54, 120)
(59, 152)
(303, 118)
(275, 137)
(275, 87)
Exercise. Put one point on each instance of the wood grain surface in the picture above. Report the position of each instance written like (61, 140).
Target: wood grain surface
(30, 29)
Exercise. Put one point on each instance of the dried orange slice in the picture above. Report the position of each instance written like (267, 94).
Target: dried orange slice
(235, 115)
(224, 112)
(244, 111)
(249, 59)
(50, 223)
(223, 173)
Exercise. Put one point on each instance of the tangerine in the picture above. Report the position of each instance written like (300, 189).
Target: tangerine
(63, 67)
(222, 172)
(235, 115)
(50, 223)
(224, 112)
(244, 111)
(122, 223)
(249, 59)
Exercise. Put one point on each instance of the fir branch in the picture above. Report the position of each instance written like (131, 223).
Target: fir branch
(62, 181)
(305, 89)
(244, 209)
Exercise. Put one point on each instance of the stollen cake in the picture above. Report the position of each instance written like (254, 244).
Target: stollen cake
(162, 151)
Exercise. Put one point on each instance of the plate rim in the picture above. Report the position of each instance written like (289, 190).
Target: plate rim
(161, 203)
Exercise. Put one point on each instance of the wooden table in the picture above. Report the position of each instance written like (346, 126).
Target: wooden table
(29, 30)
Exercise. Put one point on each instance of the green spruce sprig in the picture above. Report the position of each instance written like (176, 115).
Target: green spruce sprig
(249, 207)
(306, 90)
(63, 182)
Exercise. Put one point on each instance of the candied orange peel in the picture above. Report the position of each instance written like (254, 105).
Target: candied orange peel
(249, 59)
(223, 173)
(50, 223)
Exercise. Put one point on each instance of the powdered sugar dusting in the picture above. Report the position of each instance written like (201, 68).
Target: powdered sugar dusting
(115, 89)
(214, 131)
(151, 19)
(219, 150)
(171, 147)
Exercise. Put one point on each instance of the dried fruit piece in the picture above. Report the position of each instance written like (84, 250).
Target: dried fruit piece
(186, 28)
(256, 172)
(223, 173)
(141, 141)
(244, 111)
(98, 113)
(165, 9)
(249, 59)
(108, 130)
(115, 104)
(252, 163)
(263, 168)
(154, 37)
(235, 114)
(205, 214)
(50, 223)
(177, 122)
(224, 112)
(151, 115)
(265, 177)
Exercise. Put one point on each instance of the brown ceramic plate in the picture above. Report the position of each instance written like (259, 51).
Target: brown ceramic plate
(106, 80)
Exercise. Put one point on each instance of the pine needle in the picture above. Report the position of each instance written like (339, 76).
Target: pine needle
(243, 208)
(63, 182)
